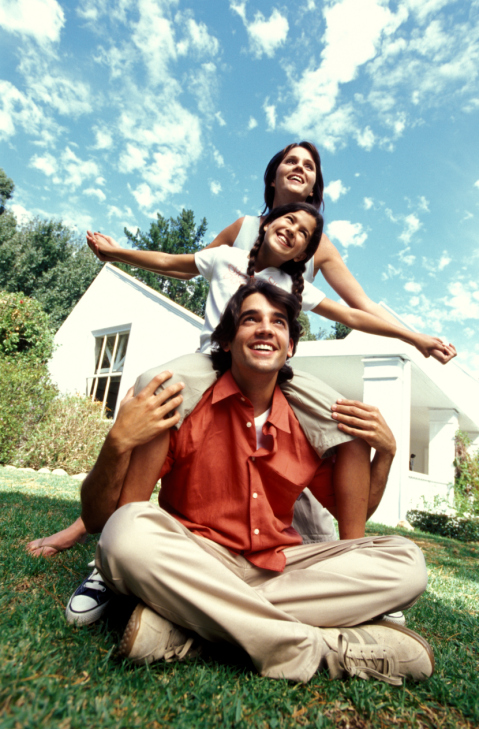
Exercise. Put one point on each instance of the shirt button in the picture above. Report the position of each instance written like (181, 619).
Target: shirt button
(255, 496)
(248, 425)
(256, 531)
(242, 399)
(253, 458)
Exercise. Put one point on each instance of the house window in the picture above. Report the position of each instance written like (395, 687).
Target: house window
(110, 353)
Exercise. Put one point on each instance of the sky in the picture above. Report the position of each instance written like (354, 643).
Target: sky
(112, 111)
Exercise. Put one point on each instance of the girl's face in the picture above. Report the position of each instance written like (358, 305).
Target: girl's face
(296, 174)
(287, 237)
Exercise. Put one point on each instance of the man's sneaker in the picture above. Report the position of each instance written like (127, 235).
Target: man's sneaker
(148, 637)
(89, 601)
(397, 618)
(387, 652)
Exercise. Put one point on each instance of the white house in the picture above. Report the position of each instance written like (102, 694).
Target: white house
(120, 328)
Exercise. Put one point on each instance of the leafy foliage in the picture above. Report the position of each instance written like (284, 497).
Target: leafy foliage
(24, 329)
(178, 235)
(339, 331)
(7, 187)
(69, 436)
(466, 480)
(25, 394)
(46, 261)
(455, 527)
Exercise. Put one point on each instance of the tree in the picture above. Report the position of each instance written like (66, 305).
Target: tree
(178, 235)
(7, 187)
(45, 260)
(339, 331)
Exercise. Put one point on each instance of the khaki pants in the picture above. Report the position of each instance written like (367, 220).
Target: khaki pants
(310, 398)
(274, 617)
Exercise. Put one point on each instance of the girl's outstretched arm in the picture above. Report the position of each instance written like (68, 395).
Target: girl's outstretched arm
(327, 259)
(107, 249)
(364, 322)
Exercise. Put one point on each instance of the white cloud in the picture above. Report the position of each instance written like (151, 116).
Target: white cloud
(335, 189)
(219, 119)
(368, 203)
(266, 36)
(95, 192)
(413, 287)
(116, 212)
(197, 37)
(444, 261)
(345, 51)
(144, 196)
(133, 158)
(67, 170)
(17, 109)
(406, 257)
(215, 187)
(476, 184)
(48, 164)
(104, 139)
(463, 301)
(366, 138)
(218, 158)
(252, 123)
(347, 233)
(411, 226)
(40, 19)
(154, 38)
(270, 111)
(22, 214)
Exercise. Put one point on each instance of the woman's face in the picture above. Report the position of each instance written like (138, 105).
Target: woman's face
(296, 175)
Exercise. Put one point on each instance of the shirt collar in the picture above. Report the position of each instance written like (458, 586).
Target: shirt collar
(279, 416)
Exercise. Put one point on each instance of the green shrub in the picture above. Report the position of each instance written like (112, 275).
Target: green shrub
(69, 436)
(455, 527)
(24, 329)
(25, 394)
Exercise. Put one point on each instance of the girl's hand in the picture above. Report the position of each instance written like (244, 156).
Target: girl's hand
(434, 347)
(102, 246)
(444, 353)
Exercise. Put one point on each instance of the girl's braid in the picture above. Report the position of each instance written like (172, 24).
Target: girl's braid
(296, 269)
(253, 255)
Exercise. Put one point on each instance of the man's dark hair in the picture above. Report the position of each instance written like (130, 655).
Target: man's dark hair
(316, 197)
(228, 325)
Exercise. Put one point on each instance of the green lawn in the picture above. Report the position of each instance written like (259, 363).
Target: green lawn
(55, 675)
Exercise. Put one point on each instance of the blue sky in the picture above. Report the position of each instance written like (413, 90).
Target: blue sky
(112, 111)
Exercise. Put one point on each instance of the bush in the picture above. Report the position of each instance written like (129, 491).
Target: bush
(69, 436)
(25, 394)
(24, 329)
(456, 527)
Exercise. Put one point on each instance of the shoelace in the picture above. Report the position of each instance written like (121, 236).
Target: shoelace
(179, 649)
(383, 666)
(95, 582)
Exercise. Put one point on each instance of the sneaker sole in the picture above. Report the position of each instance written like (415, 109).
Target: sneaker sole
(402, 629)
(131, 631)
(85, 618)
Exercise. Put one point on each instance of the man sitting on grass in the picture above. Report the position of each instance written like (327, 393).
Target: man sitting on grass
(219, 558)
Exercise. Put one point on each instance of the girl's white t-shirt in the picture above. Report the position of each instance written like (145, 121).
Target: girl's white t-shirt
(225, 268)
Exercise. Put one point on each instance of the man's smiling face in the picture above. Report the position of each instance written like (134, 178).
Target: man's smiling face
(262, 343)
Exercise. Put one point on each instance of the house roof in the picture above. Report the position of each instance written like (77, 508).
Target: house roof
(433, 386)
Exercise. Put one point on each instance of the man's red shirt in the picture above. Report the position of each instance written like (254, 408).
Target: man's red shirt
(219, 485)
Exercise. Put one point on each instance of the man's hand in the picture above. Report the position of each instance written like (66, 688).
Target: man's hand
(144, 416)
(366, 422)
(102, 246)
